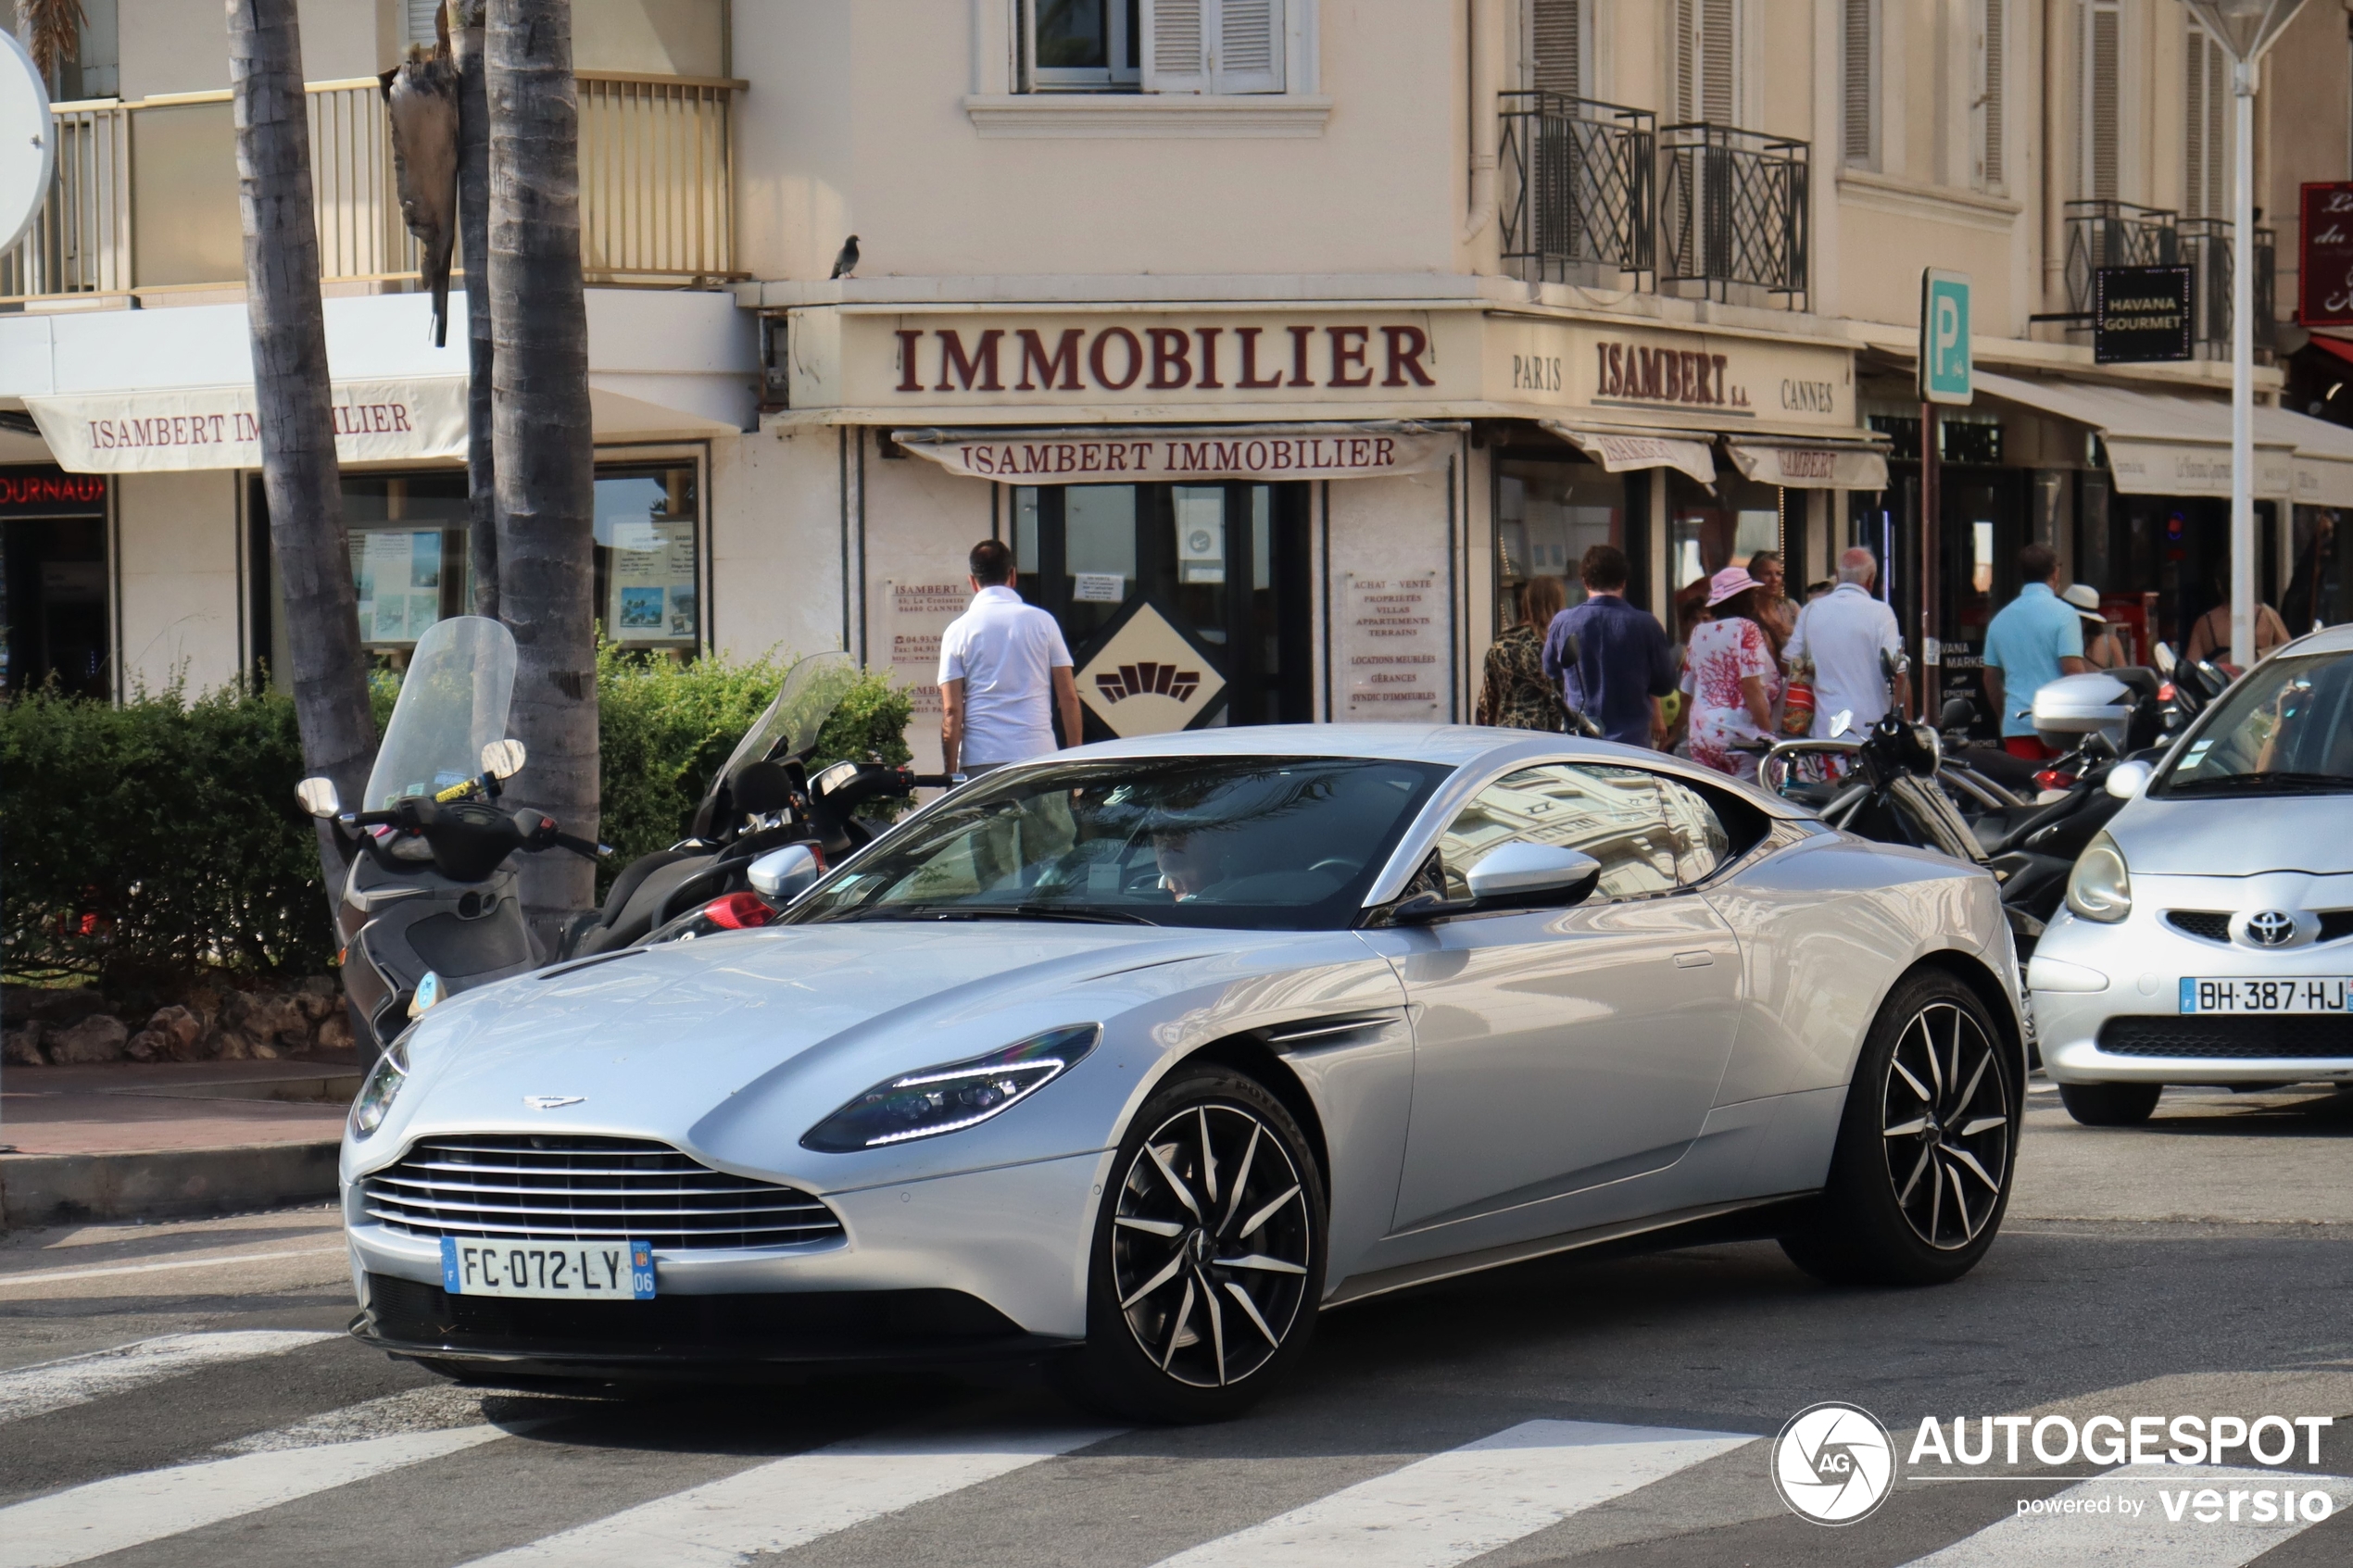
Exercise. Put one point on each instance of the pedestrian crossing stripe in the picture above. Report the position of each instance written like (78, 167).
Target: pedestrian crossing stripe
(56, 1385)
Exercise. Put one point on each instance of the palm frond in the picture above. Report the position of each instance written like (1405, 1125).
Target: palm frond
(51, 30)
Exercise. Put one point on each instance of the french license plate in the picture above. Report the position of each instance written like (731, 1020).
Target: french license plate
(550, 1271)
(2306, 994)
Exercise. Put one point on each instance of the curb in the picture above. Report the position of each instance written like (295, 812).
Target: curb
(52, 1189)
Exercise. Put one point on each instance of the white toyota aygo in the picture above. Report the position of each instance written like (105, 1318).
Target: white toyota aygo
(2207, 937)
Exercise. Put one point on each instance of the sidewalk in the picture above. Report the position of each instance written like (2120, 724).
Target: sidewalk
(144, 1141)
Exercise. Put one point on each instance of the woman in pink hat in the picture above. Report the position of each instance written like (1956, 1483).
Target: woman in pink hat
(1732, 676)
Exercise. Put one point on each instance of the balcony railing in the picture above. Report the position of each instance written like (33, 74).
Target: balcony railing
(1732, 212)
(2206, 245)
(1577, 195)
(2114, 233)
(145, 197)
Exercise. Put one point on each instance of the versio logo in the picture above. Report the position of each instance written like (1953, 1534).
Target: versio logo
(1833, 1463)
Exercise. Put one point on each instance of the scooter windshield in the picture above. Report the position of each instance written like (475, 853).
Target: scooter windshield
(453, 702)
(812, 689)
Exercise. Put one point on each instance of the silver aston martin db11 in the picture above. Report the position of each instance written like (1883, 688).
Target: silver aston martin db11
(1136, 1059)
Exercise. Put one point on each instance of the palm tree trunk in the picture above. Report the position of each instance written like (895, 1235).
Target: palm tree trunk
(300, 477)
(541, 442)
(473, 246)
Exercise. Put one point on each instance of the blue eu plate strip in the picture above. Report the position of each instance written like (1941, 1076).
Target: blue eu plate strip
(641, 1270)
(2189, 995)
(449, 1264)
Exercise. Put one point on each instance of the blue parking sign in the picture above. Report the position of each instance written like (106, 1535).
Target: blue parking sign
(1944, 326)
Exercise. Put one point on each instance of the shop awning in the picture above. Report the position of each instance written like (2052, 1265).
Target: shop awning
(1619, 451)
(2159, 444)
(1145, 454)
(214, 427)
(1811, 465)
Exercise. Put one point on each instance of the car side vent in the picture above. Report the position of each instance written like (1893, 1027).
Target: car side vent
(2335, 925)
(2211, 925)
(1336, 1029)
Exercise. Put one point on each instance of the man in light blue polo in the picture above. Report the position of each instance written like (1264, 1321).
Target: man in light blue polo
(2037, 638)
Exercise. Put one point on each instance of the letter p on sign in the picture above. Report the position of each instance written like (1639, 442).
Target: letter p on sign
(1943, 347)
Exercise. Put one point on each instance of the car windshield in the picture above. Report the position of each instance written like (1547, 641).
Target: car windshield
(1269, 843)
(2285, 729)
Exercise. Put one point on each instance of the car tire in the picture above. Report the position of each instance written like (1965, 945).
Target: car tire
(1207, 1263)
(2110, 1104)
(1935, 1098)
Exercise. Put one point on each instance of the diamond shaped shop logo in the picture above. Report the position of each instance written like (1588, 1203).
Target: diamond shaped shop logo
(1146, 677)
(1134, 680)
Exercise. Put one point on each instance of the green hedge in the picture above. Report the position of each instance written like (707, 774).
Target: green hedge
(144, 843)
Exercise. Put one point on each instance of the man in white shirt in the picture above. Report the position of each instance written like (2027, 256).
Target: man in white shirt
(1002, 663)
(1843, 632)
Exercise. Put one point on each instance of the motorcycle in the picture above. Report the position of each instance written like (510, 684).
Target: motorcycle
(429, 906)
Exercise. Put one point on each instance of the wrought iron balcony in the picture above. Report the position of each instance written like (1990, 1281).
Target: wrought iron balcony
(1577, 189)
(1733, 213)
(2206, 245)
(2112, 234)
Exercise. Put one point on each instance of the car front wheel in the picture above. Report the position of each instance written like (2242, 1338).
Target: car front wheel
(1926, 1148)
(2110, 1104)
(1208, 1258)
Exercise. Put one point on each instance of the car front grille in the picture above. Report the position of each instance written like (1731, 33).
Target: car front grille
(560, 1188)
(2314, 1035)
(2335, 925)
(2209, 924)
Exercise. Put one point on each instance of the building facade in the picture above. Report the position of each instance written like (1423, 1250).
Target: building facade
(1283, 339)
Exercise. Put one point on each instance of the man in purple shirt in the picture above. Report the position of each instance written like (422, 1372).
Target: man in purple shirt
(1613, 660)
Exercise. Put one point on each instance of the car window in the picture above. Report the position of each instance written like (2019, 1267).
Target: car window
(2286, 728)
(1651, 833)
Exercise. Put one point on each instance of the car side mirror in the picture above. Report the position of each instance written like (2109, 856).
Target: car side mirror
(1842, 722)
(2126, 780)
(1530, 871)
(782, 875)
(319, 798)
(502, 760)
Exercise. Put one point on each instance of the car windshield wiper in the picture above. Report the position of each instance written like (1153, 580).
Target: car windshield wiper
(1004, 912)
(2263, 783)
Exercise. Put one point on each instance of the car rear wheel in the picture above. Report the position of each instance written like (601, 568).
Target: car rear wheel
(1926, 1149)
(2110, 1104)
(1208, 1258)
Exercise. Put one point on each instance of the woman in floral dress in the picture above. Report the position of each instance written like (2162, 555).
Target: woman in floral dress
(1730, 676)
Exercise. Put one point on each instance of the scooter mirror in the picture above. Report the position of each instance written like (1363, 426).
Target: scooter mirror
(2162, 654)
(1958, 713)
(1842, 722)
(1893, 662)
(319, 798)
(502, 760)
(782, 875)
(2128, 779)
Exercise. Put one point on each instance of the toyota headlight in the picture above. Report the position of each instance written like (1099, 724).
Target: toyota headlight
(376, 1094)
(951, 1098)
(2100, 888)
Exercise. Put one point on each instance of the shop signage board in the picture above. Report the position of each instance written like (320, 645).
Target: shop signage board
(216, 428)
(1130, 457)
(1392, 638)
(1145, 677)
(1945, 370)
(2141, 314)
(916, 614)
(2324, 278)
(50, 492)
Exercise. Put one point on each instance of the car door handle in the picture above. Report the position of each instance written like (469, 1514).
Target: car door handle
(1694, 961)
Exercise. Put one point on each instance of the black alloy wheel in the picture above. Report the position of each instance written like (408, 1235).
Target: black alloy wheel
(1209, 1253)
(1927, 1145)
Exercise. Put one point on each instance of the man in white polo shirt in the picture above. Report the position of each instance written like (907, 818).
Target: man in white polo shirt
(1843, 632)
(1003, 670)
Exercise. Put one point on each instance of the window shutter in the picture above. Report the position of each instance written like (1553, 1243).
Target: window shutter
(1720, 61)
(2100, 47)
(1176, 46)
(1687, 59)
(1246, 45)
(419, 16)
(1992, 43)
(1858, 120)
(2204, 136)
(1557, 46)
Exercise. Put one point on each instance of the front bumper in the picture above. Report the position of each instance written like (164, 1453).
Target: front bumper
(2106, 1001)
(977, 1264)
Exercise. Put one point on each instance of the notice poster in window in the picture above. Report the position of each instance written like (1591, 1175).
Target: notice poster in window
(397, 573)
(917, 613)
(653, 596)
(1392, 639)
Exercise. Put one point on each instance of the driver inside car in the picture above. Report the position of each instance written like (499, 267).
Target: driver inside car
(1189, 866)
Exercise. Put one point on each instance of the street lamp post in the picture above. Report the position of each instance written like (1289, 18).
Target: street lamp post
(2244, 29)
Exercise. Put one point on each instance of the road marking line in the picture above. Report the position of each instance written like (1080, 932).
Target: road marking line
(2151, 1538)
(129, 1510)
(791, 1501)
(77, 1380)
(47, 1275)
(1453, 1506)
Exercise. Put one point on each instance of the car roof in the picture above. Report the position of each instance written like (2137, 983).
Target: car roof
(2328, 639)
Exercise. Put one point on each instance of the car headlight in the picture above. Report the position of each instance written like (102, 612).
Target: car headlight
(376, 1094)
(952, 1096)
(2100, 888)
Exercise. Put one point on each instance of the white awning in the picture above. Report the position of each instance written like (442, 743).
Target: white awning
(1811, 465)
(214, 427)
(1143, 454)
(1619, 451)
(2159, 444)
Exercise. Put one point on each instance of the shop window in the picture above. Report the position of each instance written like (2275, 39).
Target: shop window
(648, 577)
(1708, 531)
(53, 582)
(1547, 515)
(407, 553)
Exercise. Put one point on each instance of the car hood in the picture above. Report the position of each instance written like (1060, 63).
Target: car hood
(2236, 838)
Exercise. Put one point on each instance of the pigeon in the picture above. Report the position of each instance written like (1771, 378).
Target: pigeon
(420, 95)
(846, 263)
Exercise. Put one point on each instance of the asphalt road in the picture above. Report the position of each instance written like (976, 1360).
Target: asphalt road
(180, 1395)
